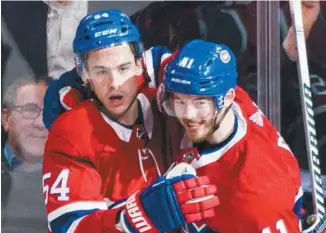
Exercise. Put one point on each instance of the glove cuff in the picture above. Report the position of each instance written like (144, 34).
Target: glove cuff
(136, 218)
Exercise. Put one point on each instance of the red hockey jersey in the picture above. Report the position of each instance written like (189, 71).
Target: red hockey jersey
(256, 174)
(91, 162)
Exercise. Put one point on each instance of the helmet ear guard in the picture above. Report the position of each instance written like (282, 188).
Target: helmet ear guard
(161, 97)
(81, 68)
(79, 64)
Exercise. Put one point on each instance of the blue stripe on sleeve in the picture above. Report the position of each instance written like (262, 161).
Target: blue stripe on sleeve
(62, 223)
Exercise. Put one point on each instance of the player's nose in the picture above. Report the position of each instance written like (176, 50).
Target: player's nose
(189, 112)
(38, 123)
(117, 81)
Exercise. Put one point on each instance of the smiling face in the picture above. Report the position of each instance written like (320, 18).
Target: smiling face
(197, 114)
(26, 137)
(112, 74)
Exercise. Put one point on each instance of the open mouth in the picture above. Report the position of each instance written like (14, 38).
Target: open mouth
(115, 97)
(116, 100)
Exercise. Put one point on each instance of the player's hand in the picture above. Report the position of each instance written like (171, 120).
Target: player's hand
(310, 12)
(171, 201)
(61, 95)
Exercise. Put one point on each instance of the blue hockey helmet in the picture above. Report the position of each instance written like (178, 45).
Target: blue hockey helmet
(104, 29)
(201, 68)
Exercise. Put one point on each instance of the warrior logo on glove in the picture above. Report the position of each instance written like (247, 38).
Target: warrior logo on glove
(171, 201)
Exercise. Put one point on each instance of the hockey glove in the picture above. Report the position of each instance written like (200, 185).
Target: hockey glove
(62, 94)
(171, 201)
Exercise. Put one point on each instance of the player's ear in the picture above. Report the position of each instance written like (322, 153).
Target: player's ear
(84, 75)
(5, 117)
(229, 97)
(139, 67)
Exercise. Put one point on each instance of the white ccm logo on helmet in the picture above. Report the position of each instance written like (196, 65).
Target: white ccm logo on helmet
(106, 32)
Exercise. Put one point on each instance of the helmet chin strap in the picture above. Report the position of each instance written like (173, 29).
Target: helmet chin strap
(216, 126)
(91, 94)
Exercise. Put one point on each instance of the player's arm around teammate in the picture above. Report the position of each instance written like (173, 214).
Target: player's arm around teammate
(104, 150)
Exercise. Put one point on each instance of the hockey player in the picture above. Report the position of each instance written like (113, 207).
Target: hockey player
(109, 148)
(229, 139)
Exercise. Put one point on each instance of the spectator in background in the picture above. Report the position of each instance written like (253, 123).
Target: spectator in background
(62, 20)
(292, 121)
(22, 120)
(22, 201)
(40, 35)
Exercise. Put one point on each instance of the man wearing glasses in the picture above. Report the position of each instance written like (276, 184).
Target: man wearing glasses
(22, 204)
(22, 121)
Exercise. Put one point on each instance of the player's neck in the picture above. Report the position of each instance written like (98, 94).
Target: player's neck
(130, 117)
(225, 130)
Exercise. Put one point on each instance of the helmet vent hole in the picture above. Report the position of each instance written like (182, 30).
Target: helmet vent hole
(124, 29)
(209, 63)
(206, 83)
(103, 23)
(86, 37)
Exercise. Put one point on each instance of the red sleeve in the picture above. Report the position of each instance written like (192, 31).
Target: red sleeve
(163, 64)
(264, 215)
(281, 149)
(260, 205)
(72, 190)
(271, 212)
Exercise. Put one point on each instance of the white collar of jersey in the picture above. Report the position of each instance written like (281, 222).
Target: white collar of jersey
(213, 156)
(125, 133)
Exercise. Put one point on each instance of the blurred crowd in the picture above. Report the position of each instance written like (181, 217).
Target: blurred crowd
(36, 47)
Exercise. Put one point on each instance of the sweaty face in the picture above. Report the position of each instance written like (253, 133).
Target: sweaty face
(112, 74)
(196, 114)
(27, 136)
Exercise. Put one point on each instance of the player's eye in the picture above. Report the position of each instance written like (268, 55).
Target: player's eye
(123, 69)
(178, 102)
(102, 73)
(201, 103)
